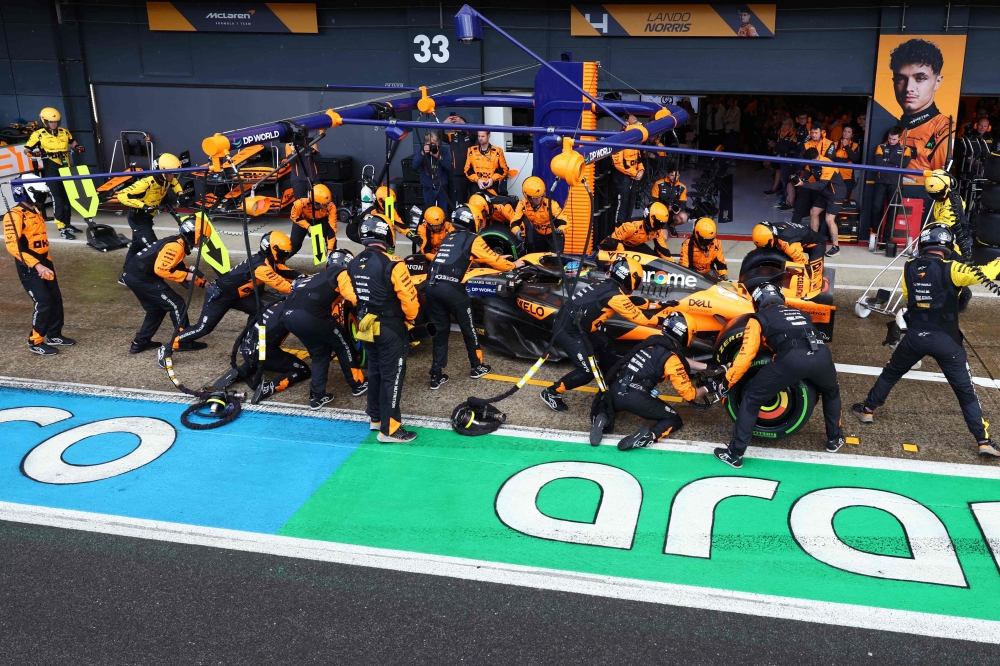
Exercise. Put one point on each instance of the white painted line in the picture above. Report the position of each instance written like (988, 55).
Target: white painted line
(979, 471)
(912, 374)
(828, 264)
(687, 596)
(976, 289)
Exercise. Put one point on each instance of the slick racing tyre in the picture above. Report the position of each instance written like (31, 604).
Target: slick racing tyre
(762, 256)
(782, 416)
(502, 241)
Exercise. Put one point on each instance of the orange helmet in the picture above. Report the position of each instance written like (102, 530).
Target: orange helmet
(764, 234)
(658, 215)
(276, 246)
(435, 217)
(533, 187)
(321, 194)
(704, 231)
(481, 203)
(383, 193)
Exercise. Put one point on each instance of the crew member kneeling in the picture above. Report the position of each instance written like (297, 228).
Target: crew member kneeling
(931, 285)
(798, 354)
(317, 208)
(290, 368)
(633, 389)
(534, 219)
(578, 325)
(703, 251)
(387, 301)
(635, 235)
(26, 240)
(146, 274)
(308, 315)
(431, 231)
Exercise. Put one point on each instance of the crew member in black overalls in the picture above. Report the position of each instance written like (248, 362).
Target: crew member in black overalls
(146, 274)
(235, 290)
(633, 389)
(931, 285)
(579, 326)
(308, 315)
(799, 353)
(446, 295)
(386, 302)
(290, 368)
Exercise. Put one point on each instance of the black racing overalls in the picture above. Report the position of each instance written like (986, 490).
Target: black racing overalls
(811, 241)
(786, 331)
(230, 291)
(154, 294)
(290, 368)
(586, 306)
(932, 330)
(371, 277)
(446, 296)
(308, 316)
(631, 391)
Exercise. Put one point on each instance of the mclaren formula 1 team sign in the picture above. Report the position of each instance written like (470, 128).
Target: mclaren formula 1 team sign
(232, 16)
(672, 20)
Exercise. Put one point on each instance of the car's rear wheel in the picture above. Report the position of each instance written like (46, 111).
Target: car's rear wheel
(783, 415)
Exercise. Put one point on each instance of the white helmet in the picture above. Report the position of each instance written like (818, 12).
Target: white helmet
(28, 192)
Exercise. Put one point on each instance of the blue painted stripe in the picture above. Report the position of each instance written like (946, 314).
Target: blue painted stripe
(252, 474)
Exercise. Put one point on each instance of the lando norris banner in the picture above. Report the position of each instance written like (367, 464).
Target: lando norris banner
(232, 16)
(672, 20)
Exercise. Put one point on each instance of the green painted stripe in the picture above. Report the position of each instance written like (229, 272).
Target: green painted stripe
(439, 495)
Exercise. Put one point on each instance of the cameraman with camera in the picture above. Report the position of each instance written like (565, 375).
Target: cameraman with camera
(433, 162)
(672, 193)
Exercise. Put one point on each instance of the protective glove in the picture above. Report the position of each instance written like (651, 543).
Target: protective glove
(150, 210)
(413, 235)
(714, 369)
(670, 304)
(79, 149)
(199, 282)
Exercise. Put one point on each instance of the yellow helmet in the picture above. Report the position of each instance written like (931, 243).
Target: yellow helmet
(658, 215)
(383, 193)
(49, 114)
(704, 231)
(168, 161)
(533, 187)
(435, 217)
(763, 235)
(938, 184)
(321, 194)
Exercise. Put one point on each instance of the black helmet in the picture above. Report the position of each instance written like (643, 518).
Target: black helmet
(627, 273)
(338, 258)
(464, 218)
(376, 229)
(936, 237)
(187, 231)
(766, 295)
(677, 328)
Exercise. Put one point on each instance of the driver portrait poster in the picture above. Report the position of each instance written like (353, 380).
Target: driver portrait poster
(918, 80)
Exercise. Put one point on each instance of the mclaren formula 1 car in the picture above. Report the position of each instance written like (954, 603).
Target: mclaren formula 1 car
(514, 311)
